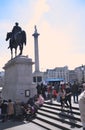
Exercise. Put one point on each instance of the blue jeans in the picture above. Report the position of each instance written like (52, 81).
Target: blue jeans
(75, 97)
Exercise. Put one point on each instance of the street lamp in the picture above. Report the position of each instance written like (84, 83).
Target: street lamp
(82, 68)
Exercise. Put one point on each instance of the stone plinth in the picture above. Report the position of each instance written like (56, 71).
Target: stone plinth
(18, 79)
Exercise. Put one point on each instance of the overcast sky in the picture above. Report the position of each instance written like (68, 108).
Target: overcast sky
(61, 24)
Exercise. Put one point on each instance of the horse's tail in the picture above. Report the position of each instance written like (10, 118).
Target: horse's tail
(24, 37)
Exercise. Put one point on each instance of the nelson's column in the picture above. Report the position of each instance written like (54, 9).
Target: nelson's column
(37, 75)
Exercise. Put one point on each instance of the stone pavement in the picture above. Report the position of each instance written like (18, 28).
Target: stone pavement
(22, 126)
(10, 125)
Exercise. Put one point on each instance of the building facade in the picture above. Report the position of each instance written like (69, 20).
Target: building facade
(80, 74)
(72, 76)
(58, 72)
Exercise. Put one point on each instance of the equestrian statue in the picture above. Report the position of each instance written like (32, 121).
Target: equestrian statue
(16, 38)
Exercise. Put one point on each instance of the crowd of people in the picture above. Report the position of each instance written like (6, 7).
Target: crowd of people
(19, 110)
(61, 93)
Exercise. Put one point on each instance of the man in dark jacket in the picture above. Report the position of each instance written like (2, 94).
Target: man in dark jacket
(75, 92)
(16, 29)
(4, 107)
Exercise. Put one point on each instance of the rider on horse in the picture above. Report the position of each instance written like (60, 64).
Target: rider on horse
(16, 29)
(16, 38)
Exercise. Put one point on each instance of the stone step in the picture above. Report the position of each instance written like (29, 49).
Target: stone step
(74, 106)
(62, 114)
(62, 119)
(65, 109)
(49, 125)
(51, 117)
(57, 106)
(45, 125)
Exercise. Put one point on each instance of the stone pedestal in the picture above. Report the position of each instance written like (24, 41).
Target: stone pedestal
(18, 79)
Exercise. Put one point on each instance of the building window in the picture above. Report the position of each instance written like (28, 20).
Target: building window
(34, 79)
(37, 79)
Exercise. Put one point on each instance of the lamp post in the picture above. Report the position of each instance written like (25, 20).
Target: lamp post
(82, 68)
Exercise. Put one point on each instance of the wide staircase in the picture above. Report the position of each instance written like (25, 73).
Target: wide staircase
(51, 117)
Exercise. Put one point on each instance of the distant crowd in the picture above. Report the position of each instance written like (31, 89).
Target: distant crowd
(60, 92)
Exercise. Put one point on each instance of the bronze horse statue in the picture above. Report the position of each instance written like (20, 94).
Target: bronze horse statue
(17, 40)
